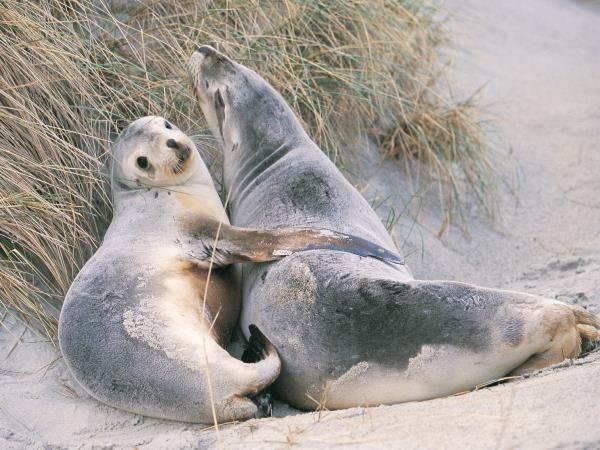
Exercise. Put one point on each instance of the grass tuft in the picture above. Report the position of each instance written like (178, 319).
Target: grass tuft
(72, 74)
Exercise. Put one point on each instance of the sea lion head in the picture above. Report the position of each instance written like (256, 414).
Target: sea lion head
(153, 152)
(241, 108)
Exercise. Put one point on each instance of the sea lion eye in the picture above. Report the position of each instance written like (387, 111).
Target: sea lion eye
(142, 162)
(168, 125)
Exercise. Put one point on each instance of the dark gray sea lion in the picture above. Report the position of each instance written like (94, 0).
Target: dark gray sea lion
(355, 331)
(142, 321)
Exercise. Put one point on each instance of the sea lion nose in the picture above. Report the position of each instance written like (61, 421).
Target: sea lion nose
(206, 50)
(182, 151)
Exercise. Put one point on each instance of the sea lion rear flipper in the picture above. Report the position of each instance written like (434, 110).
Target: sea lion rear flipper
(258, 346)
(264, 404)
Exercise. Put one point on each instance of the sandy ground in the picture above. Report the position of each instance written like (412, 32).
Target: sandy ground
(540, 62)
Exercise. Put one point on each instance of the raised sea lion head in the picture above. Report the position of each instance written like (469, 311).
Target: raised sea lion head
(153, 152)
(240, 107)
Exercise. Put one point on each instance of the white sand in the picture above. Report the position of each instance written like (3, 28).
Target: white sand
(541, 62)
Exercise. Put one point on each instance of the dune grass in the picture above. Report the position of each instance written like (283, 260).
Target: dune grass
(72, 74)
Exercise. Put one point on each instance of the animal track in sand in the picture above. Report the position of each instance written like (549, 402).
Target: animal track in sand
(574, 280)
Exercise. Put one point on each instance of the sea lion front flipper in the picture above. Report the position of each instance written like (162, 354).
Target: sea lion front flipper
(234, 244)
(292, 240)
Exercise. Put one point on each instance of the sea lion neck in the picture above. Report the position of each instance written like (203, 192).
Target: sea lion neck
(254, 145)
(163, 199)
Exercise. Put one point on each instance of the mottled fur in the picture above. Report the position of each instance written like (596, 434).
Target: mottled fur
(355, 331)
(134, 329)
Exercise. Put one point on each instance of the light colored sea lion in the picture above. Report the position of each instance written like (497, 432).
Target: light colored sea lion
(139, 326)
(358, 332)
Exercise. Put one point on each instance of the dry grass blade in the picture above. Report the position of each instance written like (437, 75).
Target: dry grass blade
(72, 74)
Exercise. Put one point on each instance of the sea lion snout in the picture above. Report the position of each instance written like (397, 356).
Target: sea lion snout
(182, 151)
(208, 58)
(207, 55)
(206, 50)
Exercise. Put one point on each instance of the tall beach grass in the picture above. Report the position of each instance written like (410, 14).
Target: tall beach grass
(72, 74)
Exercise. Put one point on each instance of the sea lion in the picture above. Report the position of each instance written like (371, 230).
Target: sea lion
(354, 331)
(140, 324)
